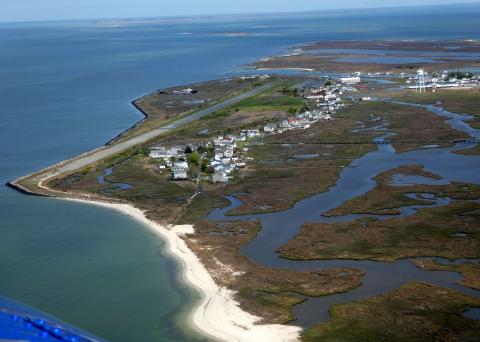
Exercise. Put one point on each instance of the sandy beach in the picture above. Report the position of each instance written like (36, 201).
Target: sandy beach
(217, 315)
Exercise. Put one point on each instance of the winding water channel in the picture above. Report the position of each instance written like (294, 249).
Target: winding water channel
(116, 186)
(380, 277)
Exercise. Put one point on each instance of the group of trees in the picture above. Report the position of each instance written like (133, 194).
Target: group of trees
(293, 111)
(289, 91)
(459, 75)
(194, 158)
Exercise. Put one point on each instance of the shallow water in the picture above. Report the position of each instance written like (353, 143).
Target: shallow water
(306, 156)
(473, 314)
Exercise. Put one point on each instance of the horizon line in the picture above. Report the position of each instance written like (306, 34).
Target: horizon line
(240, 14)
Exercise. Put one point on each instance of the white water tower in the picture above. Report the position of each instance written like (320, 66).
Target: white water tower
(420, 81)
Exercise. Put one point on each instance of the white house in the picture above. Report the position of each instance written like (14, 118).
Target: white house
(269, 128)
(219, 177)
(228, 152)
(181, 164)
(166, 153)
(179, 173)
(251, 133)
(314, 97)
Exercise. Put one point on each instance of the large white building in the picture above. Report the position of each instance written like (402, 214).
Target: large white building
(166, 153)
(350, 80)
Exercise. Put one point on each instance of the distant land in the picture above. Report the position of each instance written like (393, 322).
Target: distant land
(418, 10)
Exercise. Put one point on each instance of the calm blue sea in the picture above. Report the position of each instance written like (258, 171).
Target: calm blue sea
(66, 87)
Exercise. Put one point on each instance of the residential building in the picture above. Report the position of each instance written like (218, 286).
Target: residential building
(179, 173)
(219, 177)
(166, 153)
(269, 128)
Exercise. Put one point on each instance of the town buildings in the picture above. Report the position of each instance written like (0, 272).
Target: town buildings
(444, 79)
(226, 153)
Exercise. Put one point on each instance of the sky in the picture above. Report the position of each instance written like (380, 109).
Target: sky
(39, 10)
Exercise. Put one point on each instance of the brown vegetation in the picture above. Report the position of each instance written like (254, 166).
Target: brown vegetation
(416, 312)
(332, 61)
(431, 232)
(399, 45)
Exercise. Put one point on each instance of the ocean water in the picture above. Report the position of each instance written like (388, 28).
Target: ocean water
(66, 87)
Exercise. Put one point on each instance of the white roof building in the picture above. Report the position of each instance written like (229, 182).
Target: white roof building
(179, 173)
(166, 153)
(269, 128)
(350, 80)
(219, 177)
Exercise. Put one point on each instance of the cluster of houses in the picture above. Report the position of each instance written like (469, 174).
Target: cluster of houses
(174, 157)
(435, 80)
(226, 156)
(327, 99)
(299, 121)
(252, 77)
(227, 152)
(444, 79)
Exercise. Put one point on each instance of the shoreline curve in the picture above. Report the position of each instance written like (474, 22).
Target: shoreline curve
(217, 315)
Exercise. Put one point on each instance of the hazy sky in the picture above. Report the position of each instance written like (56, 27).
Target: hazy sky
(32, 10)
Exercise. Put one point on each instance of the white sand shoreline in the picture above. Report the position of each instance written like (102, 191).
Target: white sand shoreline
(217, 315)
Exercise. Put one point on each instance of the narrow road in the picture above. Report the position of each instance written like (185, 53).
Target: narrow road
(110, 150)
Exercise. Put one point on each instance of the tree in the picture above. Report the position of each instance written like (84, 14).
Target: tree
(210, 151)
(188, 150)
(291, 111)
(194, 159)
(459, 75)
(205, 165)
